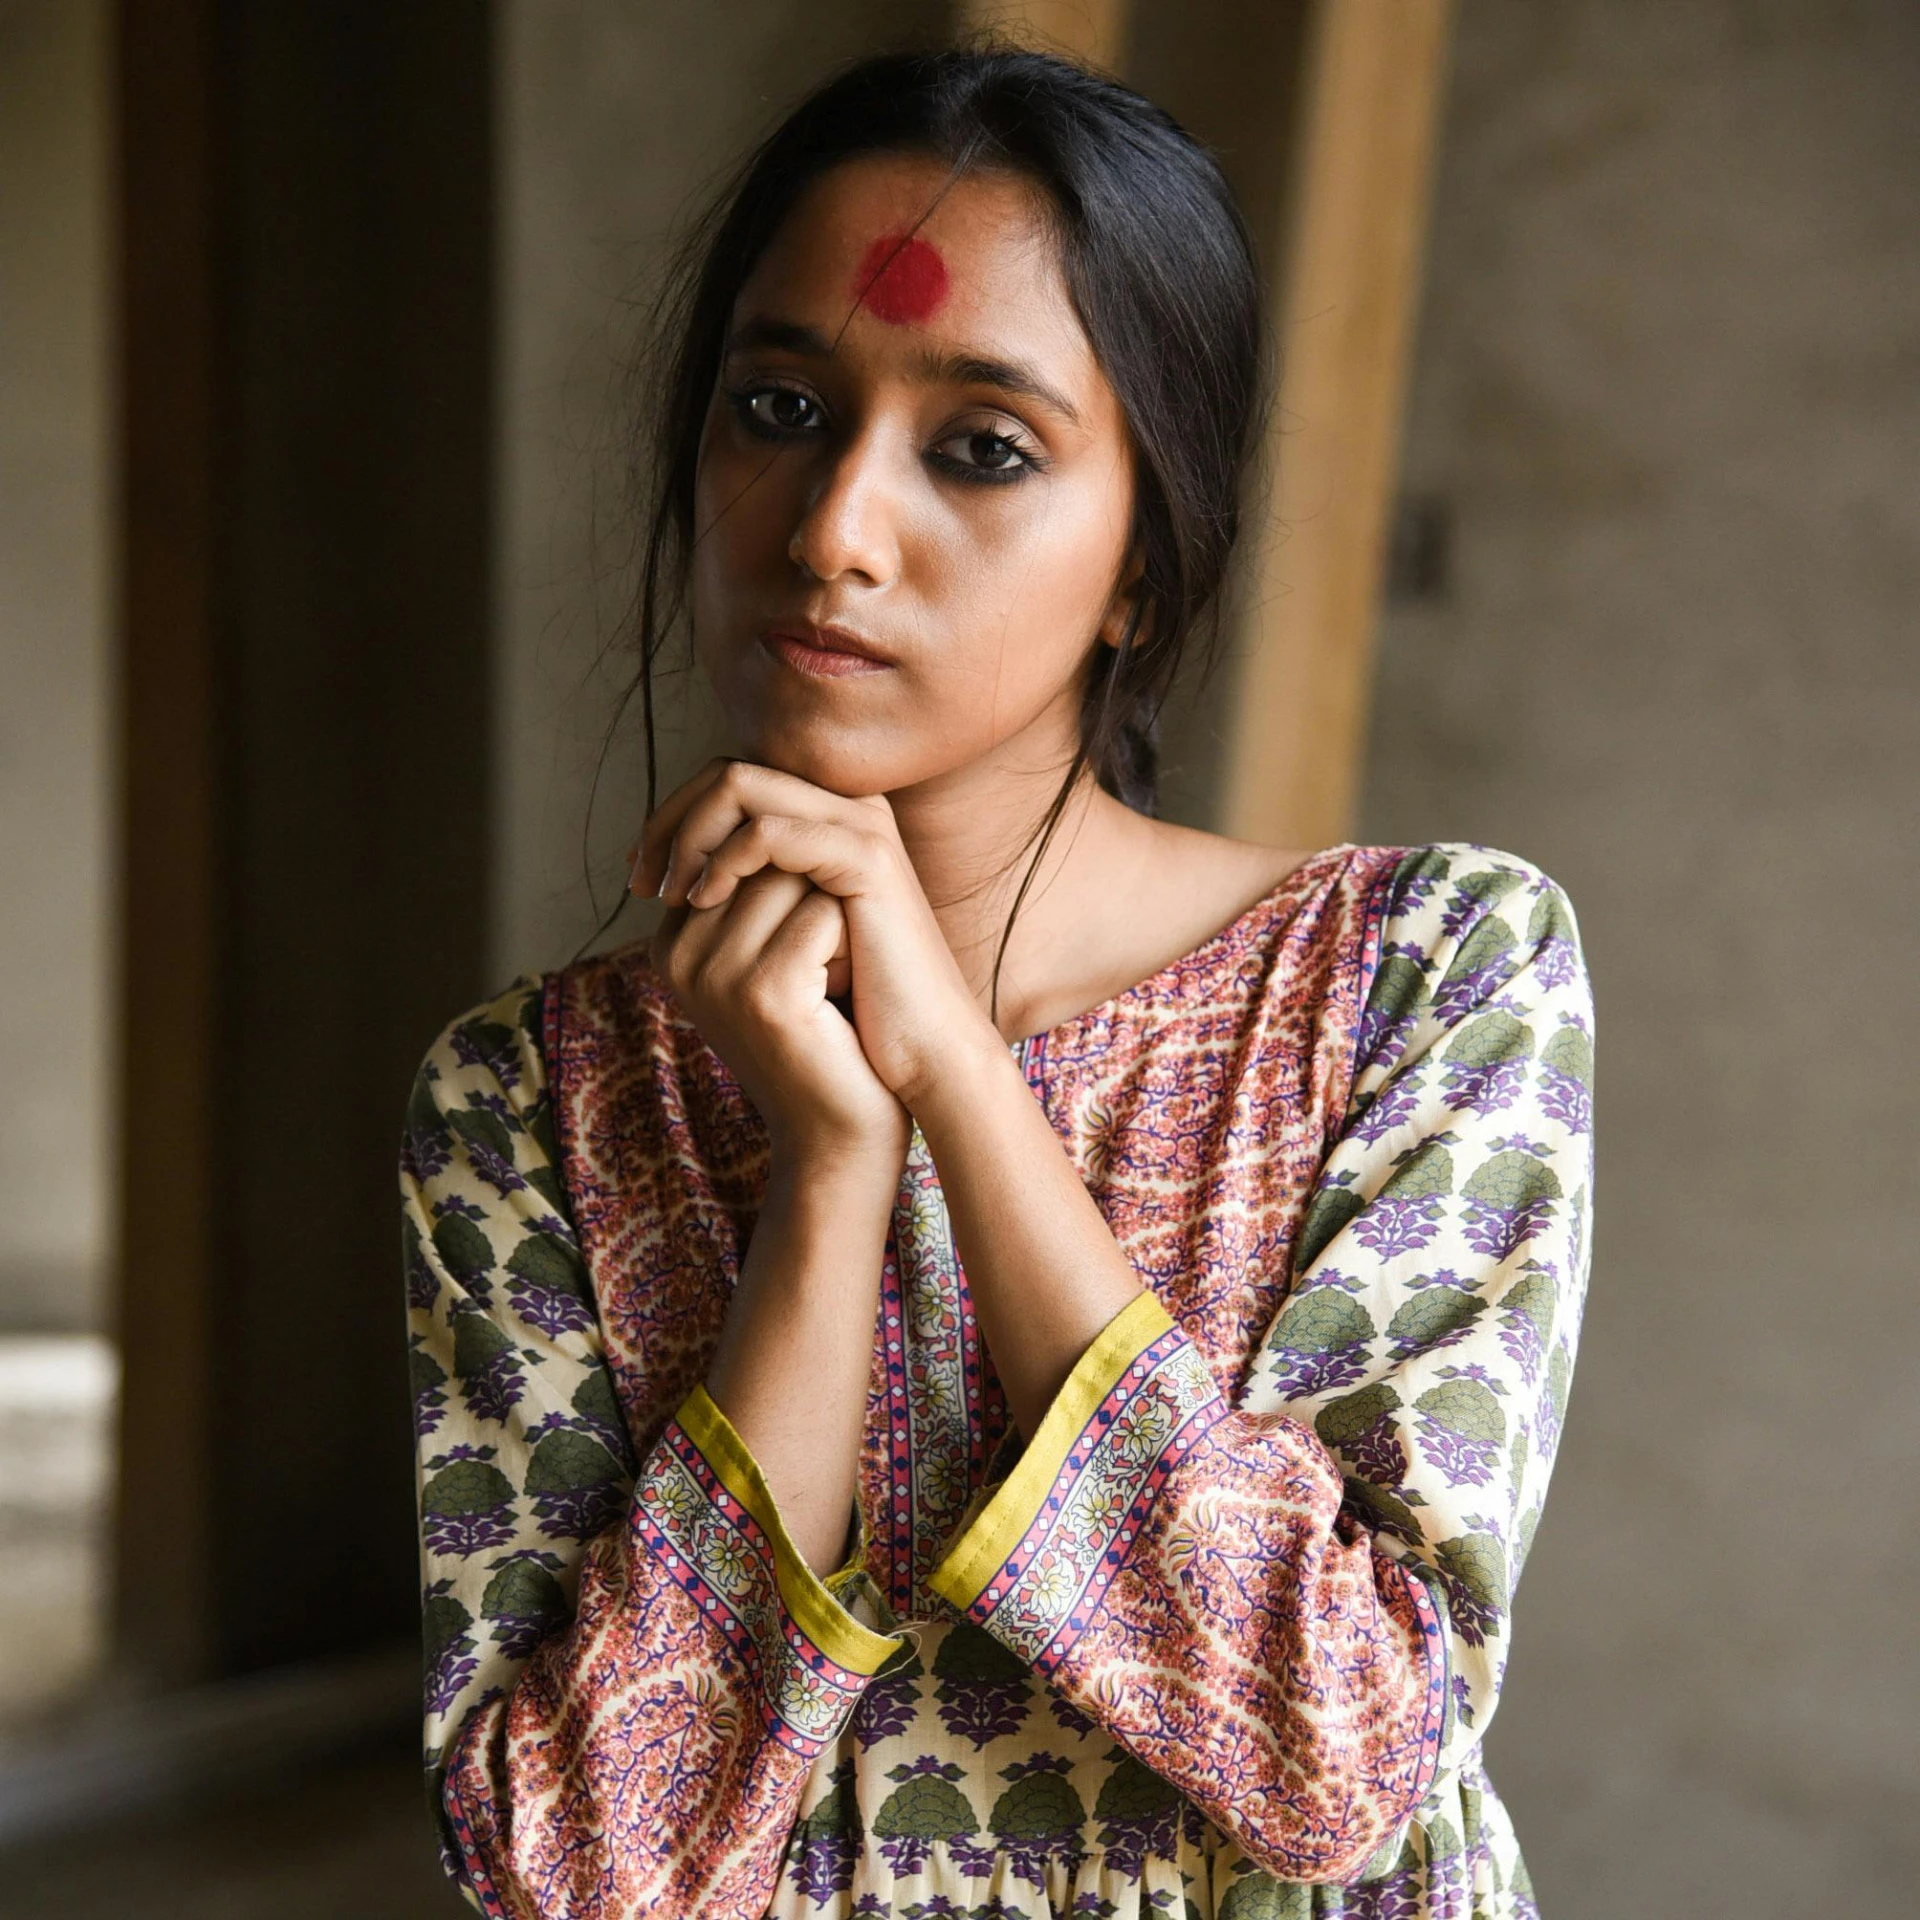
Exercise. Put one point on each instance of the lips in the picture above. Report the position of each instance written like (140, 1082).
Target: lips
(826, 652)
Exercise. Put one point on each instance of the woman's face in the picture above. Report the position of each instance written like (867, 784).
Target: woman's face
(914, 491)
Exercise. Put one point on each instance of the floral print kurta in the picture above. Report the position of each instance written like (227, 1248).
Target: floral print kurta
(1221, 1639)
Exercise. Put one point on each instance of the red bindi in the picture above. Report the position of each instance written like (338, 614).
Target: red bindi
(901, 280)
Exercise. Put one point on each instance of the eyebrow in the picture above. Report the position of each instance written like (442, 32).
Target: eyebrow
(940, 369)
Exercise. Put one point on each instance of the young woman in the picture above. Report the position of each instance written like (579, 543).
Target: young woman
(1007, 1363)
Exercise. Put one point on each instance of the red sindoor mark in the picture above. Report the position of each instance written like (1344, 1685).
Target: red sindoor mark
(901, 280)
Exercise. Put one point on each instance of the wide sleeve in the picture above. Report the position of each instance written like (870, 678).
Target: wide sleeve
(629, 1665)
(1293, 1604)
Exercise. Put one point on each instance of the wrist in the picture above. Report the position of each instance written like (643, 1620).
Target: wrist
(967, 1077)
(833, 1175)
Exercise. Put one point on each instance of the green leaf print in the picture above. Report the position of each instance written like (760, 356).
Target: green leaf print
(482, 1127)
(547, 1261)
(1341, 1422)
(523, 1590)
(443, 1620)
(1491, 1041)
(1040, 1805)
(1513, 1180)
(478, 1344)
(1133, 1794)
(1426, 1173)
(1478, 1567)
(569, 1461)
(1465, 1407)
(1259, 1896)
(1329, 1210)
(1399, 990)
(1532, 1295)
(927, 1806)
(466, 1487)
(1388, 1511)
(1551, 919)
(464, 1251)
(838, 1812)
(1322, 1321)
(1485, 947)
(1570, 1052)
(970, 1652)
(1427, 1319)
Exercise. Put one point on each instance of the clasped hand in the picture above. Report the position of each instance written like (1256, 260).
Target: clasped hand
(782, 898)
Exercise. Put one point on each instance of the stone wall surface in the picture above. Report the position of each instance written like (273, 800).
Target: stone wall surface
(1668, 388)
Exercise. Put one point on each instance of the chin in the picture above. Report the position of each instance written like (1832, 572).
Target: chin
(827, 758)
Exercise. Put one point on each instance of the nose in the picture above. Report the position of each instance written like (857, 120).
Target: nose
(849, 521)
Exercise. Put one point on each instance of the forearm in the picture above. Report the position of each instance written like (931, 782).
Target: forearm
(1044, 1270)
(792, 1368)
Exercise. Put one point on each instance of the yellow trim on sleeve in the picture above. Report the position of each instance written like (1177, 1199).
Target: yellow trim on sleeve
(983, 1545)
(819, 1615)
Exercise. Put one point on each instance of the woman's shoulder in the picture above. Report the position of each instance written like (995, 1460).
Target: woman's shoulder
(1449, 893)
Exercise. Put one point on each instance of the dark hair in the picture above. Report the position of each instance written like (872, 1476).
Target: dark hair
(1159, 267)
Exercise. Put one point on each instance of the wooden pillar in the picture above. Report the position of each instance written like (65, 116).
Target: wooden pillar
(304, 364)
(1345, 286)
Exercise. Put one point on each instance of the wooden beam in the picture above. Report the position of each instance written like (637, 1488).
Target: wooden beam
(169, 672)
(1089, 30)
(1345, 295)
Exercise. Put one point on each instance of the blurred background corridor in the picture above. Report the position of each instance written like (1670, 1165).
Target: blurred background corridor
(1595, 536)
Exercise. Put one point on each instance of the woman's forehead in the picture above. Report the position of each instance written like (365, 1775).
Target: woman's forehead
(894, 241)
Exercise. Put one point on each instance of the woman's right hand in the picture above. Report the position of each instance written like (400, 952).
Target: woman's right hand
(752, 974)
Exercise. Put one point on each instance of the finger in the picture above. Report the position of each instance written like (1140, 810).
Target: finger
(808, 939)
(843, 860)
(744, 791)
(718, 944)
(647, 858)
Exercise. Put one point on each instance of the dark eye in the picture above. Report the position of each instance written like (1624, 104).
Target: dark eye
(982, 454)
(778, 412)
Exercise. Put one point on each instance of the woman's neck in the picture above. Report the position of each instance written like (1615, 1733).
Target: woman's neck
(1115, 898)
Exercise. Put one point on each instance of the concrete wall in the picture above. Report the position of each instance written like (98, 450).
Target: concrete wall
(55, 788)
(1670, 384)
(613, 122)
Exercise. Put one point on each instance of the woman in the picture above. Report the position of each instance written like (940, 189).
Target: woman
(1007, 1363)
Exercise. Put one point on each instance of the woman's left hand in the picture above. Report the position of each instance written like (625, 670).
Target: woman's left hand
(912, 1007)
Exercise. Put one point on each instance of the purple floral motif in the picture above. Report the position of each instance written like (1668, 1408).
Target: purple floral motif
(429, 1382)
(1139, 1815)
(1485, 1089)
(1566, 1081)
(489, 1146)
(426, 1147)
(1461, 1426)
(577, 1487)
(886, 1708)
(548, 1286)
(1395, 1898)
(1068, 1715)
(1393, 1106)
(1510, 1198)
(487, 1365)
(1557, 963)
(1395, 1224)
(824, 1848)
(984, 1688)
(1474, 1570)
(977, 1858)
(1321, 1340)
(1377, 1453)
(450, 1657)
(1482, 966)
(1463, 1699)
(1393, 1004)
(467, 1503)
(488, 1044)
(523, 1602)
(423, 1284)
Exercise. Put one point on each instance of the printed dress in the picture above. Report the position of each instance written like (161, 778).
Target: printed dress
(1221, 1639)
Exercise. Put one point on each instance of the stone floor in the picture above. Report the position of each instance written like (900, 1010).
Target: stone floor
(350, 1843)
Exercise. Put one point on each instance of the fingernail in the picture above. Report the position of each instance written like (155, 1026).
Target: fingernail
(660, 892)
